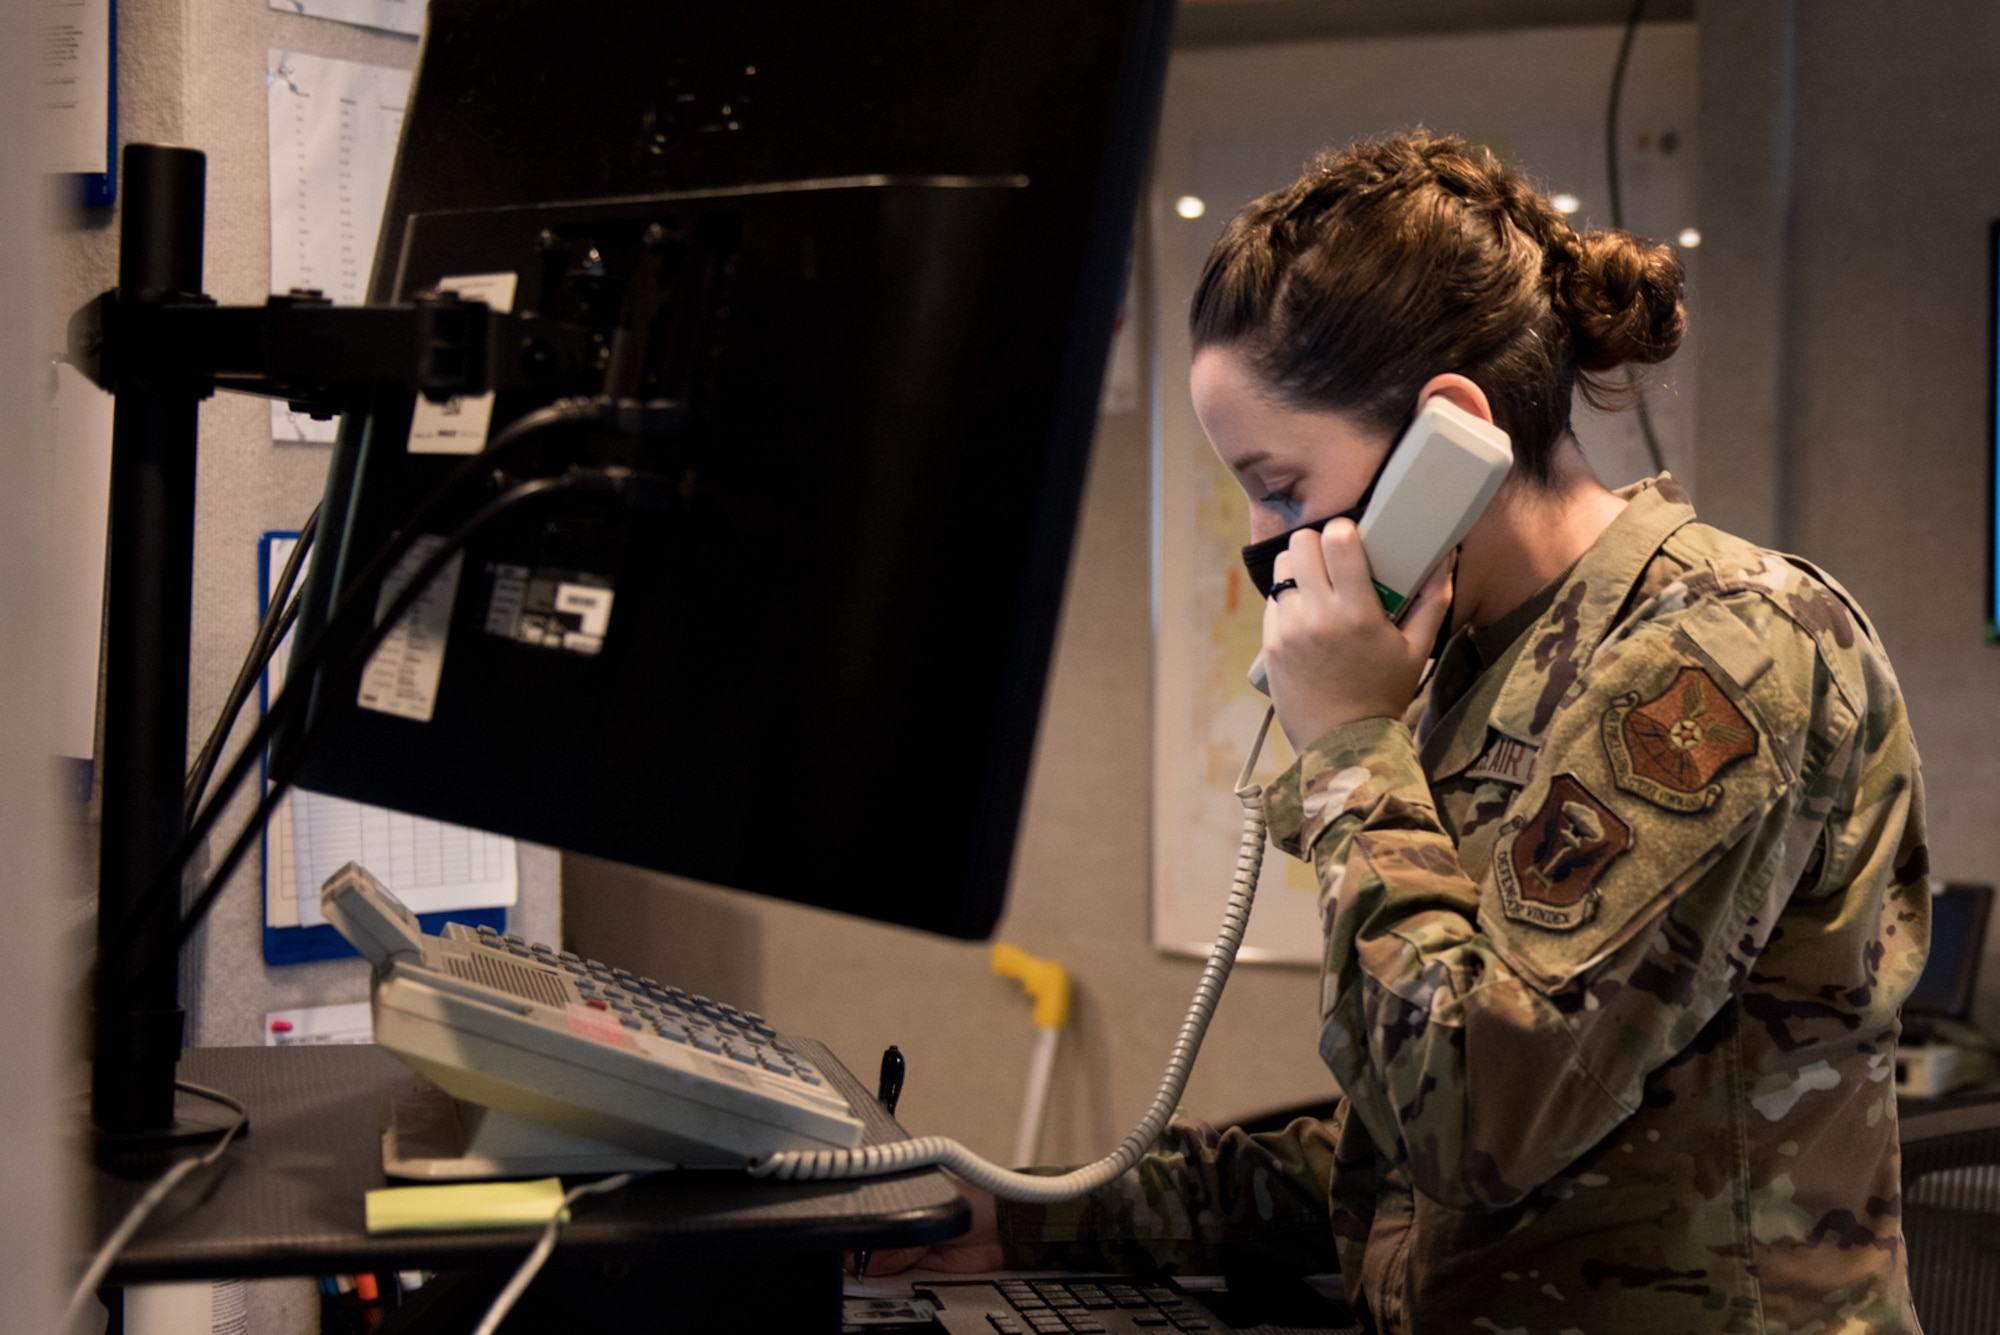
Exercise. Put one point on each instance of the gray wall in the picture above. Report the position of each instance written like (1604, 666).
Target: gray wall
(1852, 170)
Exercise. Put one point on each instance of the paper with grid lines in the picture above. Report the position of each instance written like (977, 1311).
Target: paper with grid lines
(333, 131)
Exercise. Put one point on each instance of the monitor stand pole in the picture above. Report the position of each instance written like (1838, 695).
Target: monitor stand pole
(136, 1042)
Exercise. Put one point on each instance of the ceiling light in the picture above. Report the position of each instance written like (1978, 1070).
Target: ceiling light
(1690, 237)
(1189, 206)
(1566, 203)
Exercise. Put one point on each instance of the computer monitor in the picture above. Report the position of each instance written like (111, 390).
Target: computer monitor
(876, 253)
(1949, 983)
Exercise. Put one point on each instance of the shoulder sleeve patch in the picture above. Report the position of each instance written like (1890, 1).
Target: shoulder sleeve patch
(1549, 874)
(1670, 749)
(1645, 782)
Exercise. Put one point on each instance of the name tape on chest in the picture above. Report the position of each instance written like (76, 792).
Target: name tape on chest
(1506, 760)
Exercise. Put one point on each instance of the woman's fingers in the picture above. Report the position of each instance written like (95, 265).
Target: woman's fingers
(1331, 654)
(1304, 563)
(1345, 563)
(1429, 609)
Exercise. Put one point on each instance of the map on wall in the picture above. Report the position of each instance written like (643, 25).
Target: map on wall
(1205, 647)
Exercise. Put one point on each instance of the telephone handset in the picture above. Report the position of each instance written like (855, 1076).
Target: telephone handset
(1437, 482)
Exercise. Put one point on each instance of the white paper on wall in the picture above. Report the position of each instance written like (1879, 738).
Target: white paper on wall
(404, 16)
(73, 85)
(79, 492)
(333, 131)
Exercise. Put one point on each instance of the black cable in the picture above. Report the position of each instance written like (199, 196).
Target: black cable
(349, 603)
(291, 615)
(419, 584)
(286, 619)
(279, 613)
(166, 882)
(1611, 113)
(1618, 199)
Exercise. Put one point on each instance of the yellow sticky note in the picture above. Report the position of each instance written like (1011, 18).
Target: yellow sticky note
(466, 1205)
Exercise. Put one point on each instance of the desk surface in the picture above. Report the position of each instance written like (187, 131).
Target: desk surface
(287, 1197)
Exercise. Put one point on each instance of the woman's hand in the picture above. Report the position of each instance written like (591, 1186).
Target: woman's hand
(975, 1252)
(1332, 655)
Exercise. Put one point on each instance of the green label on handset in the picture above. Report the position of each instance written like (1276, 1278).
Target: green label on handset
(1392, 602)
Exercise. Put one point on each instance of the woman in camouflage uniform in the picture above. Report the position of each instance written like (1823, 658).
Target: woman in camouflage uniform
(1621, 901)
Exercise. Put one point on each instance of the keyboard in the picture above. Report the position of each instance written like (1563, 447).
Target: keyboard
(573, 1065)
(1120, 1305)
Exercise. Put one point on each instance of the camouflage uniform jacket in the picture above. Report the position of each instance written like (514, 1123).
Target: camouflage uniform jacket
(1618, 922)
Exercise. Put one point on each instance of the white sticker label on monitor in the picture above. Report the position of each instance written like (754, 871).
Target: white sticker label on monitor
(459, 426)
(552, 608)
(402, 675)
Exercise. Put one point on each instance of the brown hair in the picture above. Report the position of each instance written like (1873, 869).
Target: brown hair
(1399, 259)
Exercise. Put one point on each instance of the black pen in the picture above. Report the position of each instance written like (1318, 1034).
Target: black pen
(889, 1085)
(888, 1089)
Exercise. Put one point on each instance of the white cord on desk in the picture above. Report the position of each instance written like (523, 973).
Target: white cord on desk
(100, 1264)
(531, 1267)
(938, 1151)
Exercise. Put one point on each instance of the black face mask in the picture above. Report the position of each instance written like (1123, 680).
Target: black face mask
(1261, 558)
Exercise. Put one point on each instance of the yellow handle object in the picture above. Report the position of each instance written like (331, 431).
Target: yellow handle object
(1045, 980)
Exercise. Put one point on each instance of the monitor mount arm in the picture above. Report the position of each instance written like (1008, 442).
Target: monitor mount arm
(320, 358)
(161, 347)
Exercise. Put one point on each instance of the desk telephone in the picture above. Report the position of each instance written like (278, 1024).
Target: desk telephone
(559, 1064)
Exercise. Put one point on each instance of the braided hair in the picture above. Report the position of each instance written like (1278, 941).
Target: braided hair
(1398, 259)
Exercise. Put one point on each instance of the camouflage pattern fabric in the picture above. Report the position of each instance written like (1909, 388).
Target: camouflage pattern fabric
(1202, 1202)
(1618, 922)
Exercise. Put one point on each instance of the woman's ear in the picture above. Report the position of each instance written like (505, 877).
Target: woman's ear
(1460, 391)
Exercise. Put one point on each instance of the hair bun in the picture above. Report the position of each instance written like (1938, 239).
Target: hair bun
(1624, 301)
